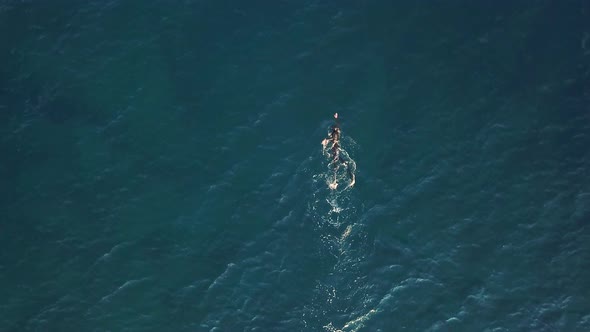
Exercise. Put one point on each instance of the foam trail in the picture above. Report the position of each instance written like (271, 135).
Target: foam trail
(335, 212)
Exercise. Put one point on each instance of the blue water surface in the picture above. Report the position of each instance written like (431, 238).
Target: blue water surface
(161, 166)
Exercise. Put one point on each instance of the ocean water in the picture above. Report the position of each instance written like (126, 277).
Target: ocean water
(161, 166)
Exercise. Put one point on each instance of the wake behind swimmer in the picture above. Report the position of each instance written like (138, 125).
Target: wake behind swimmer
(339, 158)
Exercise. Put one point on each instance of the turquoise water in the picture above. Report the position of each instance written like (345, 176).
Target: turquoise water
(162, 169)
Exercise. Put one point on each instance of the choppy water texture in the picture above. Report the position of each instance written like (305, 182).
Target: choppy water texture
(161, 166)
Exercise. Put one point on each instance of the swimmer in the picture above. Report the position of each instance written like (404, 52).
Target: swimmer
(331, 147)
(333, 139)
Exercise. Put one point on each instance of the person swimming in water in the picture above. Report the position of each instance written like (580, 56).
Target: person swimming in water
(338, 157)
